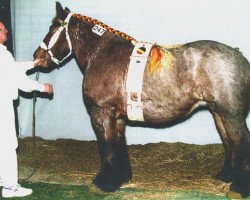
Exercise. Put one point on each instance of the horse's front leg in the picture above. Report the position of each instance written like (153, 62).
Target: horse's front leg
(115, 166)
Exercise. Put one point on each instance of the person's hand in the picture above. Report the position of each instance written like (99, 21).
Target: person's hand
(48, 88)
(35, 62)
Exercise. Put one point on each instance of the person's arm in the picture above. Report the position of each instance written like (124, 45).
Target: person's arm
(24, 82)
(27, 84)
(24, 66)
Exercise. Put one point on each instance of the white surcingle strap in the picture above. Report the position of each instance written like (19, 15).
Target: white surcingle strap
(138, 61)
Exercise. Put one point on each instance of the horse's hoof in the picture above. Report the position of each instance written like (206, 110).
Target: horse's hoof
(224, 176)
(94, 189)
(106, 184)
(218, 182)
(241, 187)
(233, 195)
(111, 177)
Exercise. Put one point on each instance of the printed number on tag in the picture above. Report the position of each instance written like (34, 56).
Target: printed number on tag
(98, 30)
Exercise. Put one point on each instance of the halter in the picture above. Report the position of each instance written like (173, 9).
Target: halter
(54, 39)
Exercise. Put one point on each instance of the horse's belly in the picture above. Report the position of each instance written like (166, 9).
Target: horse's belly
(163, 113)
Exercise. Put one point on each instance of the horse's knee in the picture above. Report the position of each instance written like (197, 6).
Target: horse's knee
(120, 126)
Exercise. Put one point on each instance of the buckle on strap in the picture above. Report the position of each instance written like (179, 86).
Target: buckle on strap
(134, 108)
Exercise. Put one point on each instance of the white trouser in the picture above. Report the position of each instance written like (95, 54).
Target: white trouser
(8, 168)
(8, 145)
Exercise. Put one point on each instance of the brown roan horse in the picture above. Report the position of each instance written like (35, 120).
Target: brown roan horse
(177, 79)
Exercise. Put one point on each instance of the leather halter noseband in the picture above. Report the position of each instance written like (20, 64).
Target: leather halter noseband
(54, 39)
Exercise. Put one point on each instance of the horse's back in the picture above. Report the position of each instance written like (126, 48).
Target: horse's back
(201, 71)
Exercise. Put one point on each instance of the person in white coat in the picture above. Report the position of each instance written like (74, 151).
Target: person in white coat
(12, 77)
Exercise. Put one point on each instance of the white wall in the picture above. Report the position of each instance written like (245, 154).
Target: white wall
(162, 22)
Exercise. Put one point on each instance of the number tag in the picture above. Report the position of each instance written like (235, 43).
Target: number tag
(98, 30)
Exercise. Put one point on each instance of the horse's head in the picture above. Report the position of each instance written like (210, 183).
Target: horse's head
(56, 46)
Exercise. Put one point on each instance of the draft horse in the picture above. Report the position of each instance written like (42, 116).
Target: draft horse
(176, 80)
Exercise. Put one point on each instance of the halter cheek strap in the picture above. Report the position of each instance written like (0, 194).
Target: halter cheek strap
(54, 39)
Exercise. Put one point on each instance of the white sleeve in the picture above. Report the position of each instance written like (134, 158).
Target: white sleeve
(18, 73)
(24, 66)
(27, 84)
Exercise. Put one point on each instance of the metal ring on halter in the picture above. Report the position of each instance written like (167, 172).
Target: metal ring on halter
(54, 39)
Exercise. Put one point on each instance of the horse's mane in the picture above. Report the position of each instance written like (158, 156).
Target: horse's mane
(108, 28)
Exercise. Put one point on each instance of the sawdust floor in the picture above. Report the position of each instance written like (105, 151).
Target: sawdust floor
(171, 166)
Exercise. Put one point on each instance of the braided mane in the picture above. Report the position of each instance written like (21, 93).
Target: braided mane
(108, 28)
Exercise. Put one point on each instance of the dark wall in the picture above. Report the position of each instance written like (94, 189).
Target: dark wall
(5, 17)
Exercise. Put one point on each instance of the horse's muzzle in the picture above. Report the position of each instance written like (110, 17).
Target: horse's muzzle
(43, 57)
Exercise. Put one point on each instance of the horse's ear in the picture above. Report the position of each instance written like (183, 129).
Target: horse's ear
(59, 10)
(67, 10)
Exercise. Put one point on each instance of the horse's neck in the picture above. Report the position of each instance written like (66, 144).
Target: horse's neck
(85, 43)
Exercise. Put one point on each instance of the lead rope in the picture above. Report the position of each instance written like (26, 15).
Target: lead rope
(33, 133)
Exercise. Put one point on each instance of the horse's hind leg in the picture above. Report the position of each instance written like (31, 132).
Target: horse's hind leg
(115, 166)
(236, 129)
(225, 173)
